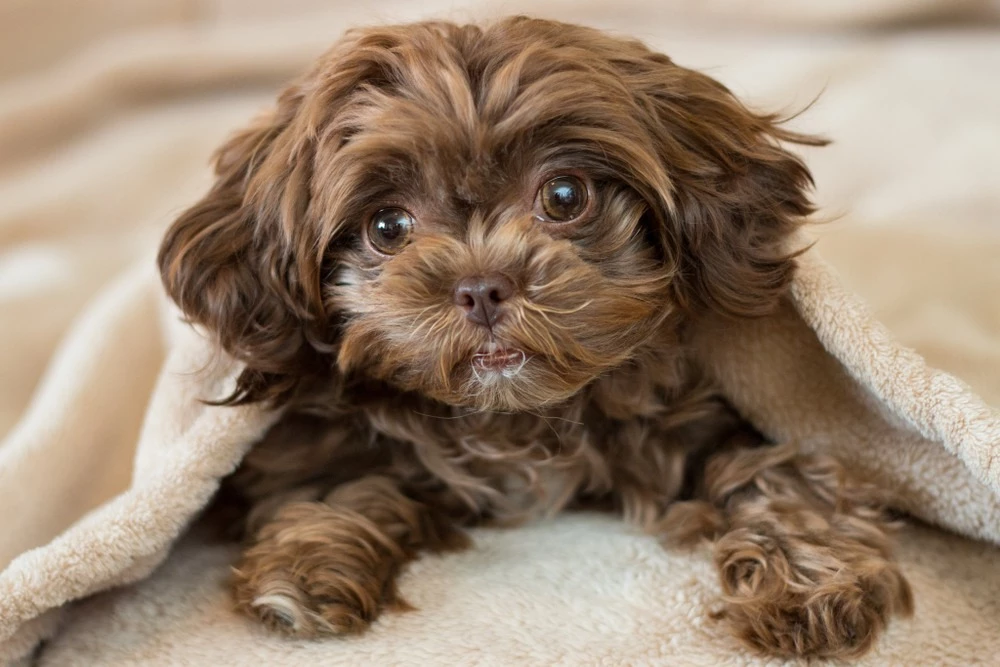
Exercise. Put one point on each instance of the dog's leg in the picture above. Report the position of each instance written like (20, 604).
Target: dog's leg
(329, 566)
(803, 551)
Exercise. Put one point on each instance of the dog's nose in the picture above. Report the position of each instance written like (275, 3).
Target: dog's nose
(480, 297)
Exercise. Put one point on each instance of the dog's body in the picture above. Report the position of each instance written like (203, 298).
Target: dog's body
(466, 261)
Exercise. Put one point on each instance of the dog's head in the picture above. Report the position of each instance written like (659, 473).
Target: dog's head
(490, 216)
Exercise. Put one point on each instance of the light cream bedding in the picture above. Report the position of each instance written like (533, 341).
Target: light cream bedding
(98, 152)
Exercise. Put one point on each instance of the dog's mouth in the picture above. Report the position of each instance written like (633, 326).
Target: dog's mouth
(499, 358)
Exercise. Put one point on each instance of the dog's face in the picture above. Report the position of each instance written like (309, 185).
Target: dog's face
(489, 253)
(492, 217)
(491, 274)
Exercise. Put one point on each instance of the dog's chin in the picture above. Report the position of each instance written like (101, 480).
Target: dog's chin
(508, 380)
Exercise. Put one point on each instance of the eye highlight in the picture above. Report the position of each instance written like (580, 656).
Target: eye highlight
(563, 198)
(389, 229)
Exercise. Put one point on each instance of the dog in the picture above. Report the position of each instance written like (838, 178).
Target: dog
(465, 262)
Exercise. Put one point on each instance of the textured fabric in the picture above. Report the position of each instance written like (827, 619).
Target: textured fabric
(108, 453)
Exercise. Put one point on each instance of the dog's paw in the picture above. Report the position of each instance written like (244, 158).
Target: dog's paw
(793, 608)
(311, 575)
(842, 622)
(309, 604)
(308, 592)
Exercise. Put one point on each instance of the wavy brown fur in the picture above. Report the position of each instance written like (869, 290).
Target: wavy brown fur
(394, 438)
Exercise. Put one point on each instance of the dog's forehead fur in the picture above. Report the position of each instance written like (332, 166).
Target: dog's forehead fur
(465, 118)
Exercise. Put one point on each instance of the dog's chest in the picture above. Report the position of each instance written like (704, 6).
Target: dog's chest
(515, 464)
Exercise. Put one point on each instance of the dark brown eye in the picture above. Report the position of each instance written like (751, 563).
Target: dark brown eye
(563, 198)
(389, 230)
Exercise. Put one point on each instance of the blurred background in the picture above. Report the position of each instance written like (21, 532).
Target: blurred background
(110, 109)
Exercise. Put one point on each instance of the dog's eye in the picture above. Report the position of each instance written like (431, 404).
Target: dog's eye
(563, 198)
(389, 230)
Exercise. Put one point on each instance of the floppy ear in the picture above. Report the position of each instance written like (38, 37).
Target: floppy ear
(247, 261)
(732, 194)
(229, 261)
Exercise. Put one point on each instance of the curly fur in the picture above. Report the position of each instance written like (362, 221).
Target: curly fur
(393, 438)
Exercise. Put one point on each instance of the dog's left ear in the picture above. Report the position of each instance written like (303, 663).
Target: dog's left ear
(728, 195)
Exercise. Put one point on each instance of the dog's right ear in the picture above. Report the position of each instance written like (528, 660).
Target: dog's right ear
(246, 261)
(229, 260)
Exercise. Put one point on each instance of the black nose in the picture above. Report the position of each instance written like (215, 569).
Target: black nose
(480, 297)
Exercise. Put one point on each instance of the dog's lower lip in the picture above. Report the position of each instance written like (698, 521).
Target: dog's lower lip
(498, 358)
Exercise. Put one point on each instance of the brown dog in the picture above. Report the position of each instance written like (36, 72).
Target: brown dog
(465, 261)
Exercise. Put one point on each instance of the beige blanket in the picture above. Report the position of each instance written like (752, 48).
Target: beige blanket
(101, 474)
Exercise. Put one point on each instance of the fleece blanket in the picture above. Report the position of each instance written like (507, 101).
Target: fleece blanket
(108, 112)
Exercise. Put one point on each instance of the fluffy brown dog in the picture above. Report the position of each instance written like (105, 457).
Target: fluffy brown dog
(465, 260)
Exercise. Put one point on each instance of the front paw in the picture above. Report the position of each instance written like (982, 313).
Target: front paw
(806, 608)
(312, 605)
(312, 574)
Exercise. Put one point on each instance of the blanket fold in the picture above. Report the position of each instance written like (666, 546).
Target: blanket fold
(824, 374)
